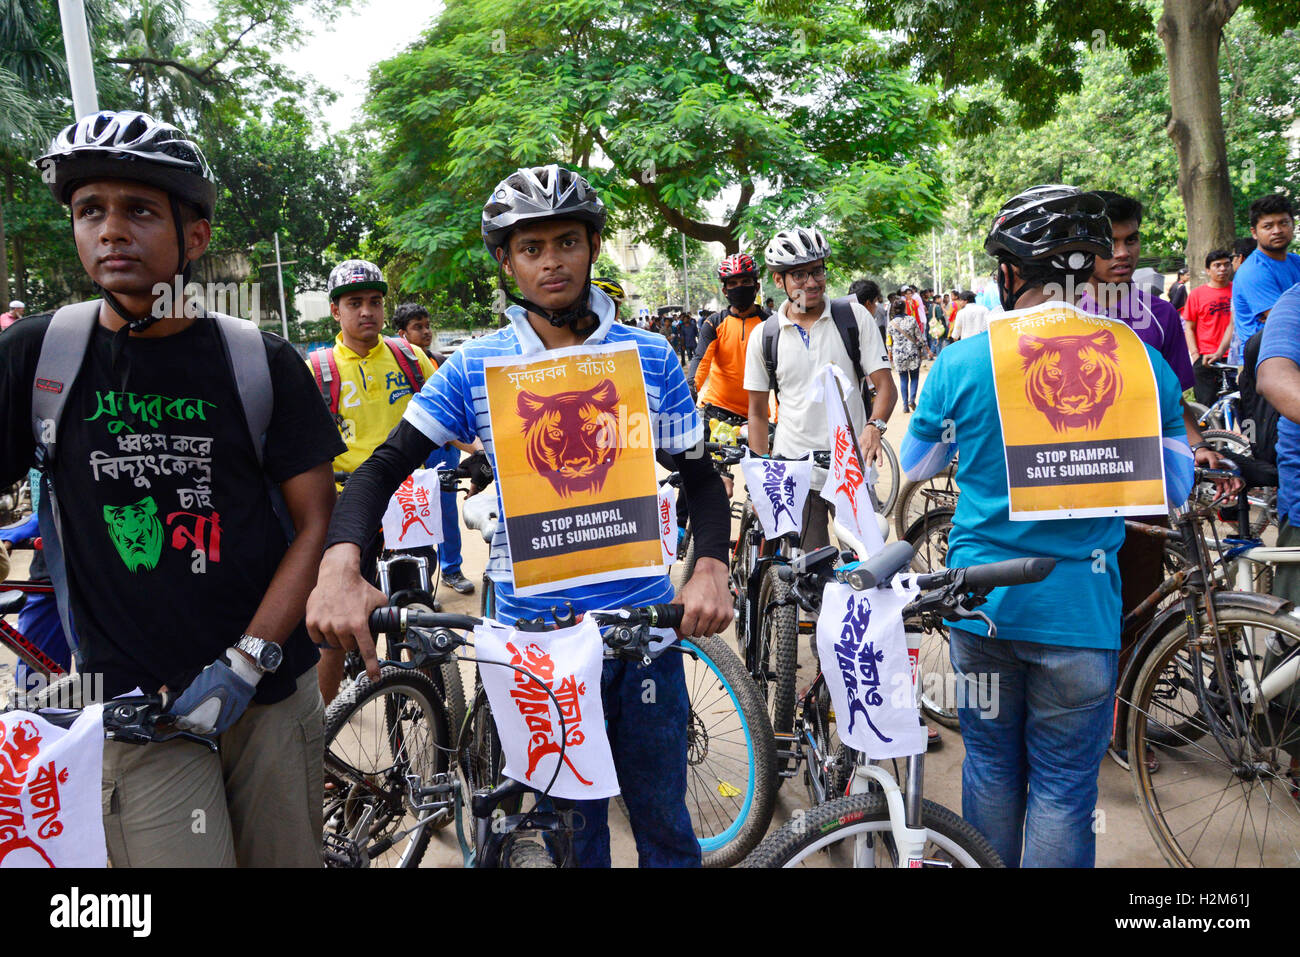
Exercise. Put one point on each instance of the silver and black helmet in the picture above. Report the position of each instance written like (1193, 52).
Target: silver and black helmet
(794, 247)
(539, 193)
(133, 146)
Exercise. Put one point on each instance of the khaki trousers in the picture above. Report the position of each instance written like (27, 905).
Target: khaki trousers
(257, 802)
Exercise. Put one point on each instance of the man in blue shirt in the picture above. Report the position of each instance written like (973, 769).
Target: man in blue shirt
(1270, 269)
(543, 226)
(1030, 774)
(1278, 377)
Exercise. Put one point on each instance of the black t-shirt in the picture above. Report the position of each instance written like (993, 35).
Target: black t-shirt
(170, 538)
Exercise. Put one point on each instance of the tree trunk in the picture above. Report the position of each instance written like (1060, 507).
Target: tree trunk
(4, 258)
(1191, 31)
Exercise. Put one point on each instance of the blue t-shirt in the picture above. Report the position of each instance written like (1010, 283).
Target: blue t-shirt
(1256, 286)
(1282, 339)
(1078, 604)
(453, 405)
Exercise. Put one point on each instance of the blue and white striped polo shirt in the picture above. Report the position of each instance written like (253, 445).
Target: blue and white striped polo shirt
(453, 405)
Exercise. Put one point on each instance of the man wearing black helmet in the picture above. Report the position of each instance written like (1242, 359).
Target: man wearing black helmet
(172, 459)
(542, 227)
(1029, 779)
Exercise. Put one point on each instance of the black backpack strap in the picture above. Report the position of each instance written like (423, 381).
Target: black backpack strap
(771, 335)
(846, 322)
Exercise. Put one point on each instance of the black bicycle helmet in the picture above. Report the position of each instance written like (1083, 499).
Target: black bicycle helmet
(537, 194)
(132, 146)
(1049, 232)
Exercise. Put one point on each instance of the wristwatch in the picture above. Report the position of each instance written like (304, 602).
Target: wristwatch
(880, 424)
(266, 655)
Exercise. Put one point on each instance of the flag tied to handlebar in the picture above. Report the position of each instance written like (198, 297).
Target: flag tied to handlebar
(568, 664)
(863, 652)
(50, 807)
(850, 483)
(668, 522)
(778, 491)
(414, 515)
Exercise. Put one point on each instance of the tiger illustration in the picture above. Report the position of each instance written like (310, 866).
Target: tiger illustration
(1072, 380)
(572, 437)
(136, 533)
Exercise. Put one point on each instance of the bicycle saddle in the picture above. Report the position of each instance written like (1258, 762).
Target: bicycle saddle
(12, 601)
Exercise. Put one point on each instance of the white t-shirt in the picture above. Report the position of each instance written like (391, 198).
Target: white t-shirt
(801, 426)
(971, 320)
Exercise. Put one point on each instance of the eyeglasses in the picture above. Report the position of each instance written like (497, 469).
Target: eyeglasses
(800, 276)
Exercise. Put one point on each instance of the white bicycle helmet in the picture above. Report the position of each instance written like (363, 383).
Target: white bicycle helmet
(794, 247)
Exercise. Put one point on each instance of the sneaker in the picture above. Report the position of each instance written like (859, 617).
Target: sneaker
(459, 582)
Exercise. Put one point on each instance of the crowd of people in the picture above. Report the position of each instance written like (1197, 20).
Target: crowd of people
(240, 581)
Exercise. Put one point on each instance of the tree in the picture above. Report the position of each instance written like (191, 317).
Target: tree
(1033, 53)
(703, 117)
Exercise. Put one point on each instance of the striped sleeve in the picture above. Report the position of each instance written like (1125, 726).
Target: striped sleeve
(677, 422)
(442, 410)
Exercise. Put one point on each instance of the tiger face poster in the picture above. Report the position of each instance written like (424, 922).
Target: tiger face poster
(1080, 415)
(575, 463)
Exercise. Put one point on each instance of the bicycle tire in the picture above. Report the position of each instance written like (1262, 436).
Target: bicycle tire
(378, 778)
(778, 655)
(1206, 793)
(685, 565)
(529, 854)
(928, 536)
(446, 678)
(862, 815)
(918, 497)
(890, 474)
(729, 736)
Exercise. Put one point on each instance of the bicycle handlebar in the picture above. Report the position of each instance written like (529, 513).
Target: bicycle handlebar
(1013, 571)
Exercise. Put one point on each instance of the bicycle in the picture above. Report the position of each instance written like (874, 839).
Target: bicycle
(876, 822)
(1202, 689)
(731, 751)
(496, 839)
(1222, 413)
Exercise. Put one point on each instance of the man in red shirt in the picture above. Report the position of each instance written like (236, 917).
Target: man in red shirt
(1207, 322)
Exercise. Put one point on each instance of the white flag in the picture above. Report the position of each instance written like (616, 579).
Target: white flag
(864, 657)
(50, 808)
(778, 491)
(414, 515)
(846, 486)
(668, 522)
(568, 662)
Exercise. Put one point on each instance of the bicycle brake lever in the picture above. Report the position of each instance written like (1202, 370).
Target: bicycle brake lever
(961, 611)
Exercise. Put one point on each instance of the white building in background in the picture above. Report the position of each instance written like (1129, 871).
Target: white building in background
(631, 257)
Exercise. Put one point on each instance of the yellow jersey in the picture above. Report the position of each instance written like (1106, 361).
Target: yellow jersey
(373, 393)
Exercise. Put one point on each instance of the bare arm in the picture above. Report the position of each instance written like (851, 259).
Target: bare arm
(758, 422)
(1189, 333)
(310, 499)
(1278, 380)
(1222, 351)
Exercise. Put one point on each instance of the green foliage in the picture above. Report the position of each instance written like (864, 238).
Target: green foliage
(671, 110)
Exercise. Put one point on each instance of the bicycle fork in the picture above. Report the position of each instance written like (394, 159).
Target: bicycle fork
(906, 829)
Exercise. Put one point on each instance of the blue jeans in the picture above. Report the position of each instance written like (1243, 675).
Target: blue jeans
(1033, 754)
(648, 739)
(909, 381)
(448, 457)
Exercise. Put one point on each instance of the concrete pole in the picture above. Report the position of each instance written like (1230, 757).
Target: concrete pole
(76, 44)
(279, 275)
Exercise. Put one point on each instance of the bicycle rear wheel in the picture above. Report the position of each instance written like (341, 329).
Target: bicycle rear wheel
(928, 536)
(1223, 796)
(917, 498)
(854, 831)
(375, 735)
(887, 479)
(730, 759)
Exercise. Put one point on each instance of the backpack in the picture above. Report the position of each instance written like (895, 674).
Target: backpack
(1254, 407)
(57, 368)
(325, 368)
(846, 323)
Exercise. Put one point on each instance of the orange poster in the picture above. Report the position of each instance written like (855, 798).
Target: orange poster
(1080, 415)
(576, 467)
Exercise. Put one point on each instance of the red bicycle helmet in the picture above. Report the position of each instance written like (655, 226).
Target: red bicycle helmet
(740, 264)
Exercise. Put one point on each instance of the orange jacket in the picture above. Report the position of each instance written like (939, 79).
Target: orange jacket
(720, 354)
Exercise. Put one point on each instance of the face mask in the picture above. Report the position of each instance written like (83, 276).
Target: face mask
(742, 297)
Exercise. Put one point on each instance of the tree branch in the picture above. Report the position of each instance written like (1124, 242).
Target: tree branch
(200, 76)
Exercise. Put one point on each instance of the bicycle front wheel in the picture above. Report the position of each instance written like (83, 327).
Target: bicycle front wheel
(854, 831)
(1224, 794)
(928, 537)
(375, 736)
(730, 757)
